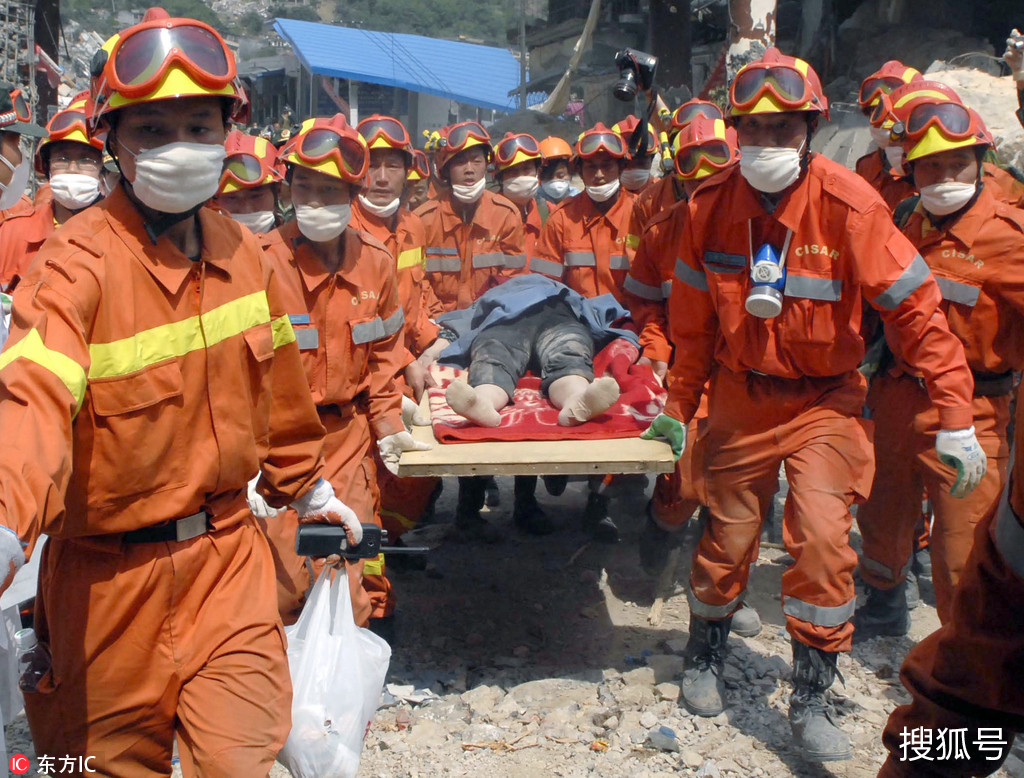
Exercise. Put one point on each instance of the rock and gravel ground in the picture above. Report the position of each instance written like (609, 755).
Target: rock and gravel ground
(543, 663)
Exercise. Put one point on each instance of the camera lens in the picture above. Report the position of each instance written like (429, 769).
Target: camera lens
(625, 87)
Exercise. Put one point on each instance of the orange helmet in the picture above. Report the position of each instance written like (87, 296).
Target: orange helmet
(162, 58)
(928, 118)
(690, 110)
(892, 75)
(456, 138)
(600, 140)
(250, 162)
(386, 132)
(514, 149)
(71, 125)
(553, 147)
(776, 84)
(704, 147)
(420, 167)
(329, 146)
(627, 127)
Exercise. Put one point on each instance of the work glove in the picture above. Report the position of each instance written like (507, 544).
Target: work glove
(320, 504)
(12, 557)
(411, 414)
(392, 446)
(960, 449)
(259, 506)
(669, 429)
(1014, 55)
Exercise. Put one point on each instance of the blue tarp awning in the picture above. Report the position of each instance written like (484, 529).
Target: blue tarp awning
(465, 72)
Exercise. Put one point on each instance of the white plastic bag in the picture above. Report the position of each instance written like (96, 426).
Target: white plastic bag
(337, 674)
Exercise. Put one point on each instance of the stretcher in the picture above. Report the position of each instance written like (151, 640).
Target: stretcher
(534, 457)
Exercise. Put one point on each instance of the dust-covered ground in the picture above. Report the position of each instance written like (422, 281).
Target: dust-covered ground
(542, 662)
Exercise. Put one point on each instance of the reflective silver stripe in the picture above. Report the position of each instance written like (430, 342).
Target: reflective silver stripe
(580, 259)
(904, 286)
(447, 252)
(691, 277)
(957, 292)
(365, 331)
(546, 266)
(618, 262)
(884, 571)
(493, 259)
(1009, 535)
(307, 338)
(642, 290)
(443, 264)
(706, 611)
(515, 261)
(666, 289)
(827, 289)
(819, 614)
(394, 322)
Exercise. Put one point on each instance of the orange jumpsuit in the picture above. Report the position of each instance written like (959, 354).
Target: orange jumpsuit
(464, 260)
(661, 195)
(874, 168)
(22, 233)
(1006, 186)
(348, 325)
(787, 389)
(585, 249)
(978, 261)
(139, 387)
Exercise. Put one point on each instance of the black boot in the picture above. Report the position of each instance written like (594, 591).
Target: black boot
(526, 511)
(467, 513)
(811, 715)
(555, 484)
(657, 544)
(492, 495)
(596, 520)
(884, 613)
(703, 689)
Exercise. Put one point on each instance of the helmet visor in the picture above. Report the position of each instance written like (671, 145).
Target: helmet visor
(323, 143)
(595, 142)
(459, 135)
(65, 121)
(392, 130)
(953, 120)
(140, 60)
(508, 148)
(717, 154)
(687, 113)
(788, 86)
(874, 88)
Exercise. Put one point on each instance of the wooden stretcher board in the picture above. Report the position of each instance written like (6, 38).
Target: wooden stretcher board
(535, 457)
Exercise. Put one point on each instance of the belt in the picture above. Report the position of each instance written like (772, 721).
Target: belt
(345, 410)
(992, 384)
(180, 530)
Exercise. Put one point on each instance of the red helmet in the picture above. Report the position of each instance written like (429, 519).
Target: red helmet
(420, 168)
(776, 83)
(704, 147)
(386, 132)
(600, 140)
(892, 75)
(329, 146)
(627, 127)
(515, 149)
(70, 125)
(250, 162)
(456, 138)
(690, 110)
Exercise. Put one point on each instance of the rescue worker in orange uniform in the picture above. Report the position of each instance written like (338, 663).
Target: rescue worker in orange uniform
(475, 240)
(882, 166)
(974, 245)
(150, 369)
(341, 295)
(636, 174)
(251, 182)
(775, 259)
(417, 192)
(70, 160)
(17, 132)
(377, 211)
(556, 171)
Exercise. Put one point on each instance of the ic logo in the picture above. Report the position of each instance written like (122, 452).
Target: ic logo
(18, 764)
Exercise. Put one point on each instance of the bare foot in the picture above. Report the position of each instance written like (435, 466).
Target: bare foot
(465, 401)
(595, 399)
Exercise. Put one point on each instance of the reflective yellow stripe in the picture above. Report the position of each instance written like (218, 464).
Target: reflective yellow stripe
(404, 521)
(128, 355)
(410, 258)
(283, 332)
(374, 566)
(32, 348)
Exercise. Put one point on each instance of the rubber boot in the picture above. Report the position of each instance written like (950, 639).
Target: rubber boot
(703, 689)
(811, 715)
(884, 614)
(555, 484)
(746, 622)
(526, 511)
(467, 513)
(596, 520)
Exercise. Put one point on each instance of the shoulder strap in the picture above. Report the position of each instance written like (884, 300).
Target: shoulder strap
(902, 212)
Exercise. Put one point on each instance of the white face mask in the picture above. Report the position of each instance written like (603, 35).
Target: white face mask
(605, 192)
(177, 177)
(770, 169)
(894, 156)
(380, 211)
(946, 198)
(19, 181)
(520, 189)
(257, 221)
(635, 179)
(880, 136)
(469, 193)
(556, 189)
(74, 191)
(321, 224)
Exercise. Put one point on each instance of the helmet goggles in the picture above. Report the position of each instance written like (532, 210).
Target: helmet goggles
(786, 84)
(515, 149)
(595, 142)
(322, 144)
(20, 111)
(715, 154)
(953, 120)
(459, 136)
(689, 111)
(248, 171)
(391, 131)
(873, 88)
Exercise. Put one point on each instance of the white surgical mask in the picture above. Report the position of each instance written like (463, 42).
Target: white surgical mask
(880, 136)
(604, 192)
(177, 177)
(556, 189)
(469, 193)
(635, 179)
(946, 198)
(256, 221)
(324, 223)
(380, 211)
(74, 191)
(19, 180)
(520, 189)
(770, 169)
(894, 156)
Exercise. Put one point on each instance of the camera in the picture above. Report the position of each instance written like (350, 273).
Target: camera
(636, 72)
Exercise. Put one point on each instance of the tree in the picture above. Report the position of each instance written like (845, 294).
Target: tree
(301, 12)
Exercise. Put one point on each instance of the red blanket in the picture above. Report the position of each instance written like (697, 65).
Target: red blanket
(532, 417)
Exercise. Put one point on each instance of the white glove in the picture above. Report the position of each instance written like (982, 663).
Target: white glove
(960, 449)
(1014, 54)
(12, 556)
(392, 446)
(321, 504)
(260, 508)
(411, 414)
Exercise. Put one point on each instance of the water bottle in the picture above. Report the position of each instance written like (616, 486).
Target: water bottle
(33, 659)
